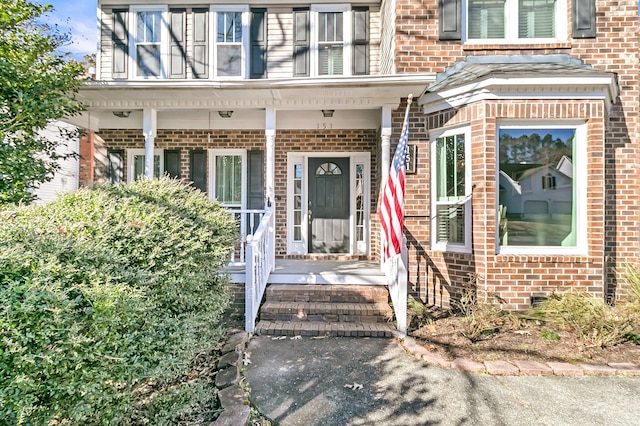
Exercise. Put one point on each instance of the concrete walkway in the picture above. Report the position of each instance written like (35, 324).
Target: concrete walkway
(359, 381)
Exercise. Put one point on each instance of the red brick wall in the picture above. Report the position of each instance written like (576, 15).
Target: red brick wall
(286, 141)
(614, 174)
(86, 163)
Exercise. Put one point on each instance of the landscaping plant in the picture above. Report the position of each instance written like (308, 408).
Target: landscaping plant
(107, 296)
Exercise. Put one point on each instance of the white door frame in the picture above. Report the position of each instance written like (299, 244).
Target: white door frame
(355, 158)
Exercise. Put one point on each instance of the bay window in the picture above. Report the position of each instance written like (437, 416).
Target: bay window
(541, 188)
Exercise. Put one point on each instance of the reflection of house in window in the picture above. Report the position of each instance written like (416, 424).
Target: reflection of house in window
(548, 181)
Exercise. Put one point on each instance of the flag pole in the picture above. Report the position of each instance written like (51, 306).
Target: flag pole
(394, 253)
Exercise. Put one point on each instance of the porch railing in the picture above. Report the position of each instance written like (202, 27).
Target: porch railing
(395, 269)
(260, 262)
(247, 221)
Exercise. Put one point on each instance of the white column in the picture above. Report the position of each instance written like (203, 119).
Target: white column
(149, 130)
(385, 142)
(270, 135)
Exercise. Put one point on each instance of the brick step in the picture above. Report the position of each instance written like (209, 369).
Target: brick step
(326, 312)
(314, 328)
(335, 293)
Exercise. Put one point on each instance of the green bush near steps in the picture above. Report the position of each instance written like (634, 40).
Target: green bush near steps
(103, 292)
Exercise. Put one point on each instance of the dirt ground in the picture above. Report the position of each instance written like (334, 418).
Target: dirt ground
(532, 341)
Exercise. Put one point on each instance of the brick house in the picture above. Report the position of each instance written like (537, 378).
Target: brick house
(523, 129)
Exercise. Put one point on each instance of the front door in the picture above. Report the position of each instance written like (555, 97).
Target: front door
(329, 205)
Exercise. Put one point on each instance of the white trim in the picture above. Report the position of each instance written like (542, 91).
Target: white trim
(213, 25)
(164, 40)
(131, 152)
(451, 247)
(301, 247)
(347, 28)
(511, 26)
(212, 154)
(523, 87)
(580, 179)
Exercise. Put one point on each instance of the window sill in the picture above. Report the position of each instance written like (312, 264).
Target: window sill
(475, 46)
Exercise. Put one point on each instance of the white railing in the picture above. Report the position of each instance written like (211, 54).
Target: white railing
(247, 222)
(260, 262)
(395, 269)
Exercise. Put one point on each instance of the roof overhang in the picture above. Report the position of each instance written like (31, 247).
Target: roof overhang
(604, 88)
(541, 77)
(347, 92)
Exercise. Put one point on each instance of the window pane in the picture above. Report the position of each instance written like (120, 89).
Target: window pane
(330, 60)
(138, 166)
(450, 163)
(536, 189)
(229, 60)
(148, 60)
(229, 27)
(229, 179)
(148, 27)
(537, 18)
(450, 223)
(486, 18)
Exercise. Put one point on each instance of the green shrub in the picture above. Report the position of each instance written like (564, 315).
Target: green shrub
(103, 291)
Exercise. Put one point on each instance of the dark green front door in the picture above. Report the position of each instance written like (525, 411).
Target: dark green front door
(329, 205)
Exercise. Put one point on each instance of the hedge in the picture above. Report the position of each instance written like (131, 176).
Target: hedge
(106, 291)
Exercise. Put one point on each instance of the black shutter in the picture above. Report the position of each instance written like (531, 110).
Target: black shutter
(450, 19)
(301, 42)
(584, 18)
(255, 179)
(120, 44)
(200, 65)
(258, 41)
(198, 169)
(172, 163)
(360, 41)
(115, 165)
(177, 45)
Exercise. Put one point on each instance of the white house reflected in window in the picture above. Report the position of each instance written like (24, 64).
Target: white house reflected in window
(537, 190)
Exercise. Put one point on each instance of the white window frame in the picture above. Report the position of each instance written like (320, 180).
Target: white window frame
(446, 246)
(213, 153)
(579, 179)
(164, 41)
(347, 27)
(511, 26)
(213, 29)
(141, 151)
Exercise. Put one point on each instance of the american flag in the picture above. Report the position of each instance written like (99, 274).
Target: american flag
(391, 209)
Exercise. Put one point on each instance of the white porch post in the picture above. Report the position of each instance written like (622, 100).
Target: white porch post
(385, 143)
(149, 130)
(270, 135)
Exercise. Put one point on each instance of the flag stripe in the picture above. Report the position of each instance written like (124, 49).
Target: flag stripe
(391, 208)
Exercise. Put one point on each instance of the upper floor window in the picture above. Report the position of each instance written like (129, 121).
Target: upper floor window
(148, 51)
(231, 29)
(331, 39)
(516, 20)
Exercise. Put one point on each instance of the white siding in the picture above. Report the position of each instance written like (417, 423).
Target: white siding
(280, 43)
(106, 48)
(374, 40)
(387, 34)
(65, 179)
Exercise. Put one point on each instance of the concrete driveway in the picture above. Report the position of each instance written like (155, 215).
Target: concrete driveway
(369, 381)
